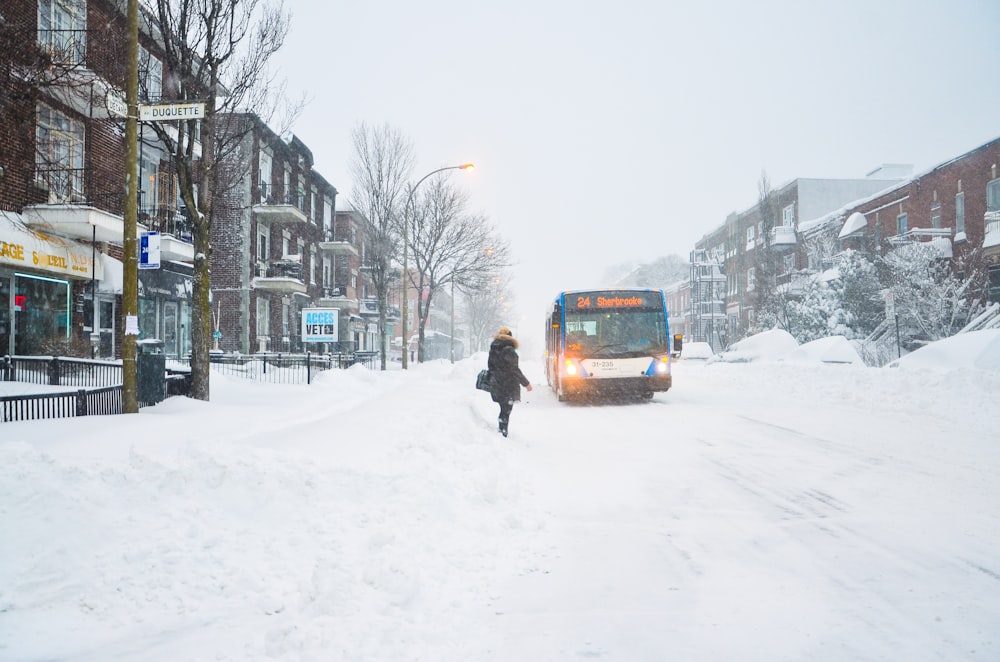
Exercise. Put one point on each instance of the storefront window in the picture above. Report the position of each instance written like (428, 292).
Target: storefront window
(42, 315)
(147, 318)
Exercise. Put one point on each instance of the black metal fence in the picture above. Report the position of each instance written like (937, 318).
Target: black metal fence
(104, 380)
(281, 368)
(55, 371)
(106, 400)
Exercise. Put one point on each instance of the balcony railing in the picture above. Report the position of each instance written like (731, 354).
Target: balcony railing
(64, 46)
(65, 185)
(168, 219)
(919, 235)
(280, 206)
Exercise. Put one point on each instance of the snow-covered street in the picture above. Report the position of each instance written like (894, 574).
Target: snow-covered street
(755, 511)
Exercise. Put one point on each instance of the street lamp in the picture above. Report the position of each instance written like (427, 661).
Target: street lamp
(406, 242)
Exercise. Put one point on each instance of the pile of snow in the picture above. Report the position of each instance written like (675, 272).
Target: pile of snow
(835, 349)
(769, 346)
(976, 350)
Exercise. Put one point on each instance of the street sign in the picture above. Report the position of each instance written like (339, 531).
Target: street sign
(167, 112)
(149, 250)
(890, 304)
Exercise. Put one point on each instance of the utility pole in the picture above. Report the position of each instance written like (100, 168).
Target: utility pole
(130, 286)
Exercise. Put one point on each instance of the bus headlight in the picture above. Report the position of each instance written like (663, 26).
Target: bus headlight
(570, 368)
(663, 365)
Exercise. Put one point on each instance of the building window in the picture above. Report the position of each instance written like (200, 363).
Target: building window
(285, 315)
(312, 265)
(993, 196)
(960, 213)
(264, 163)
(263, 317)
(789, 263)
(901, 224)
(750, 279)
(150, 75)
(327, 214)
(313, 207)
(788, 216)
(750, 237)
(263, 239)
(936, 215)
(287, 187)
(62, 30)
(59, 156)
(994, 284)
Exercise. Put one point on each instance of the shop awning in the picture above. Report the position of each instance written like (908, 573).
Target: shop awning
(30, 250)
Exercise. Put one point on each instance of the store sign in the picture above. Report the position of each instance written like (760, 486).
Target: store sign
(320, 324)
(20, 301)
(27, 250)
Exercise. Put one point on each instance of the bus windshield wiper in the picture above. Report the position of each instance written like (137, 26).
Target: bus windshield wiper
(597, 349)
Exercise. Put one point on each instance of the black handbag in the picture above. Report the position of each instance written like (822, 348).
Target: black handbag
(483, 380)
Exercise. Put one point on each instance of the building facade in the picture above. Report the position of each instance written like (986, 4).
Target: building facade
(806, 225)
(763, 242)
(61, 186)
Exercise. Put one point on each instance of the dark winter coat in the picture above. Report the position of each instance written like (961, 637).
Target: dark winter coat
(506, 378)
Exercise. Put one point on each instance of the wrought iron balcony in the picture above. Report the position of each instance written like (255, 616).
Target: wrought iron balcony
(282, 276)
(278, 207)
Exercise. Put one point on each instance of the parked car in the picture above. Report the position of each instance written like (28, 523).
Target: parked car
(696, 351)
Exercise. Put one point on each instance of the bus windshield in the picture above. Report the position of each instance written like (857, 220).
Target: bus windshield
(616, 333)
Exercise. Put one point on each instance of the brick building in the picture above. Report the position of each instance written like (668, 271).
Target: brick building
(61, 185)
(748, 243)
(954, 205)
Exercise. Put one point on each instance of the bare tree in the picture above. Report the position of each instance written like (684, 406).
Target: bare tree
(447, 243)
(769, 302)
(381, 165)
(216, 51)
(486, 308)
(450, 247)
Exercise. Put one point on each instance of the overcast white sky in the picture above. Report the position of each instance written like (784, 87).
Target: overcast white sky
(606, 133)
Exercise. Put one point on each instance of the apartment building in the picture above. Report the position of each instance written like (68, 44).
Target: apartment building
(62, 182)
(280, 246)
(955, 206)
(755, 240)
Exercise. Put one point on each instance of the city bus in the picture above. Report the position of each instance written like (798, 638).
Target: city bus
(613, 342)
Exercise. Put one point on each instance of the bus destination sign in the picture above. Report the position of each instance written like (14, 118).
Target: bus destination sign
(604, 301)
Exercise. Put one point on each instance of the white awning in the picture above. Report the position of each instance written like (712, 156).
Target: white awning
(24, 248)
(855, 222)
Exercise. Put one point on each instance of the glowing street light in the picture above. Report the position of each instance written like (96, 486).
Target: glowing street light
(406, 243)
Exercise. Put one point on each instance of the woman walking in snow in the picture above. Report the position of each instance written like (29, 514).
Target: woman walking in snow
(506, 378)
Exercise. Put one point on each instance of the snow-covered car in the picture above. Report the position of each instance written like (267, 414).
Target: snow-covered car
(696, 351)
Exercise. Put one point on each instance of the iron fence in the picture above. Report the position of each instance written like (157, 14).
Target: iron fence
(287, 368)
(106, 400)
(56, 371)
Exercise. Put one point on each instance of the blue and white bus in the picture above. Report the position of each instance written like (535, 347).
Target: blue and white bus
(608, 342)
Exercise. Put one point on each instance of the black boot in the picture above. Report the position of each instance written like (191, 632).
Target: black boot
(503, 427)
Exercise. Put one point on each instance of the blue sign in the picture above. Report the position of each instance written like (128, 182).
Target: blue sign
(149, 250)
